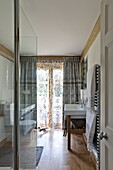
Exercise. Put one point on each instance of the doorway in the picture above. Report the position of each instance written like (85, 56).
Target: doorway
(49, 95)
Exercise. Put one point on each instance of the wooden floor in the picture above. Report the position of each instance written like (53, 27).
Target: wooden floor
(55, 155)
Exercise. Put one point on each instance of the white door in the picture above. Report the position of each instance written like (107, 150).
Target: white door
(107, 85)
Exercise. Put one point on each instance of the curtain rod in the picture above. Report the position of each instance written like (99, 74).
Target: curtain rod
(50, 59)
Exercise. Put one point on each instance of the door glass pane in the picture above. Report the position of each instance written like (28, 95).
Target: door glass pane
(28, 113)
(49, 95)
(42, 97)
(57, 98)
(6, 83)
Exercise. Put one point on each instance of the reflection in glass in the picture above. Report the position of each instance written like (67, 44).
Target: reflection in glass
(6, 83)
(28, 112)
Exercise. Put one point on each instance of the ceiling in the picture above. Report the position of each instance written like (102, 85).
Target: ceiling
(62, 27)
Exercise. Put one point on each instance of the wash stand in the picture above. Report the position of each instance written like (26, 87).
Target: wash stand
(73, 112)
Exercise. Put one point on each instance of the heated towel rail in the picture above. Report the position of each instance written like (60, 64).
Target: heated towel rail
(96, 142)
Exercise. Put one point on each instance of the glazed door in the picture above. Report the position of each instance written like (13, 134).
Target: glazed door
(106, 134)
(49, 95)
(28, 149)
(6, 83)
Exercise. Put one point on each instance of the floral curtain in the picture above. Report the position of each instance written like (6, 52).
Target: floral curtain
(71, 81)
(28, 92)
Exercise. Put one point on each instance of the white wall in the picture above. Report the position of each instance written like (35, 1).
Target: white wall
(93, 57)
(6, 91)
(6, 80)
(94, 53)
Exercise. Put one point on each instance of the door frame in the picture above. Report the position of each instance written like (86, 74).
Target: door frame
(106, 41)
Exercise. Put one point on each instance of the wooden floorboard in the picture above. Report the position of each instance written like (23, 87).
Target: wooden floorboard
(55, 155)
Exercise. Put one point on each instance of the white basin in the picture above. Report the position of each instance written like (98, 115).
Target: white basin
(73, 107)
(26, 126)
(27, 122)
(74, 110)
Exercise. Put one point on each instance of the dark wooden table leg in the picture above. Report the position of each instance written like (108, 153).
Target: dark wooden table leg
(68, 131)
